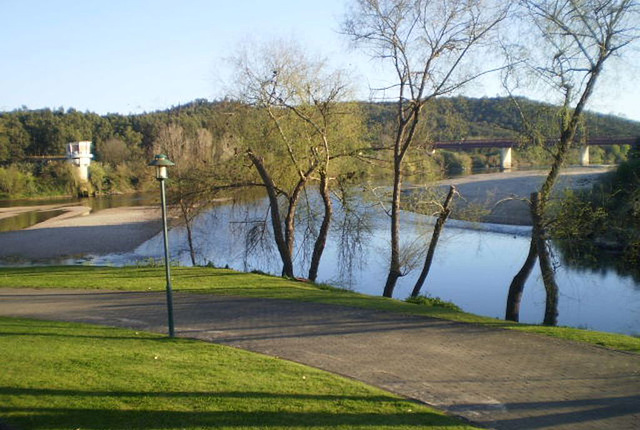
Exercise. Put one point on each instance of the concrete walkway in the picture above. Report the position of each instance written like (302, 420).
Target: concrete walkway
(498, 378)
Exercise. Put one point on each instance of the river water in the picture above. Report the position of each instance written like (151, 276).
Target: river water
(30, 218)
(96, 203)
(473, 265)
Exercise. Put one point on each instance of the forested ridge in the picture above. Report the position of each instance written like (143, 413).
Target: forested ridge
(26, 132)
(122, 144)
(497, 117)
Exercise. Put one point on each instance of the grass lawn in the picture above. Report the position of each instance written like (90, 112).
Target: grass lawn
(76, 376)
(228, 282)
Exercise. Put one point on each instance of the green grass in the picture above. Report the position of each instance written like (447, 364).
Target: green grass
(76, 376)
(228, 282)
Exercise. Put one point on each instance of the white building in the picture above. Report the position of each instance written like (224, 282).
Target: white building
(79, 153)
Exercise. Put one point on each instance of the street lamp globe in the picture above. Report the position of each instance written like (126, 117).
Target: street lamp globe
(161, 162)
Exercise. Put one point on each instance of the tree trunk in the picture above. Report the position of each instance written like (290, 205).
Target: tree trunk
(394, 267)
(538, 246)
(290, 224)
(517, 284)
(283, 249)
(444, 214)
(187, 222)
(548, 274)
(192, 251)
(550, 285)
(321, 240)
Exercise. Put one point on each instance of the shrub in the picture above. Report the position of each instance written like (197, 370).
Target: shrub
(605, 219)
(98, 178)
(577, 218)
(532, 156)
(456, 161)
(422, 167)
(16, 181)
(434, 302)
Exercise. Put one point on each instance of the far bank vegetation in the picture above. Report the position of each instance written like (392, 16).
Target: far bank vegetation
(123, 144)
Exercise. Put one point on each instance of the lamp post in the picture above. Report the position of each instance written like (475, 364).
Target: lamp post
(161, 162)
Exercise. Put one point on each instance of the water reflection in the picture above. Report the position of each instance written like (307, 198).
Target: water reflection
(585, 256)
(95, 203)
(27, 219)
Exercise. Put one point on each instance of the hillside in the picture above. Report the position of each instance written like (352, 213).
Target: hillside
(26, 133)
(464, 117)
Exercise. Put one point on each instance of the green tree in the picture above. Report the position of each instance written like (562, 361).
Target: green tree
(14, 139)
(305, 124)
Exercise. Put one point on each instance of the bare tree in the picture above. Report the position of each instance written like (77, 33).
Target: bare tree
(572, 41)
(192, 155)
(430, 46)
(445, 211)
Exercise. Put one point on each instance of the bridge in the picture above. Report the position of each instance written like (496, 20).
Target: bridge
(506, 146)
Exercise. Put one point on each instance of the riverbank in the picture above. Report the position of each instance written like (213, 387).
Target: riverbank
(502, 197)
(77, 233)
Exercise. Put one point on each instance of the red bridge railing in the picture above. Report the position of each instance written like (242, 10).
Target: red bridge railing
(512, 143)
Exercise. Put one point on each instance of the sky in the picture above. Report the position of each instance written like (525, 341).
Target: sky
(132, 56)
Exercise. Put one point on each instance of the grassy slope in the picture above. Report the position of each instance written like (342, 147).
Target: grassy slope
(62, 375)
(228, 282)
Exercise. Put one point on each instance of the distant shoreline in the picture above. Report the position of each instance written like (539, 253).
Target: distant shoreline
(78, 232)
(504, 194)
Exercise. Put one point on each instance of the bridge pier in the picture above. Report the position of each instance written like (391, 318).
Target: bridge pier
(584, 155)
(506, 146)
(505, 158)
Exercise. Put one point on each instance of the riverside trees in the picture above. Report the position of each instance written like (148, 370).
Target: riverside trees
(304, 124)
(572, 42)
(123, 144)
(429, 46)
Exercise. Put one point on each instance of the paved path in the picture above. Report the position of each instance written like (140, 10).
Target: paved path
(498, 378)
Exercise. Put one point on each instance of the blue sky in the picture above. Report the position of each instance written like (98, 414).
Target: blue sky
(142, 55)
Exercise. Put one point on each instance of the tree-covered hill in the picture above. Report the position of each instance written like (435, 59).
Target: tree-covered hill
(123, 144)
(498, 117)
(26, 133)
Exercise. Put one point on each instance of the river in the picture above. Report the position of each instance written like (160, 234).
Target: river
(473, 265)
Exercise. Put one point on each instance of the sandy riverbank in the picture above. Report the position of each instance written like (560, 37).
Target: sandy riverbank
(503, 194)
(78, 232)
